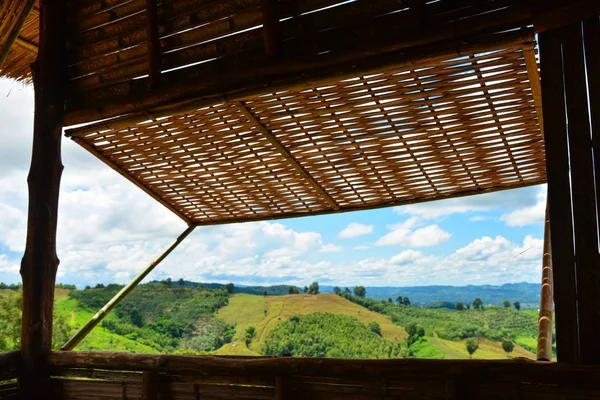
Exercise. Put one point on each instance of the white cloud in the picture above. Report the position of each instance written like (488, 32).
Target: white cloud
(508, 200)
(355, 230)
(406, 257)
(527, 215)
(361, 247)
(405, 234)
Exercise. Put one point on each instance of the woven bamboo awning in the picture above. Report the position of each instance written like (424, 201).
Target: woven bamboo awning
(443, 127)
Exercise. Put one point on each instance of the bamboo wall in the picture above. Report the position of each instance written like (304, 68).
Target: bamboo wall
(208, 48)
(124, 376)
(8, 375)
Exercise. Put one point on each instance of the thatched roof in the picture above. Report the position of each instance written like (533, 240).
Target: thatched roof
(18, 37)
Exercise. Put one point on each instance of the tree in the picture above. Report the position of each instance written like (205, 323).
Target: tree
(313, 288)
(181, 282)
(507, 346)
(265, 293)
(337, 290)
(293, 290)
(390, 300)
(99, 286)
(517, 305)
(406, 301)
(229, 287)
(459, 306)
(400, 300)
(375, 327)
(305, 289)
(347, 291)
(506, 303)
(250, 332)
(468, 306)
(472, 345)
(168, 282)
(477, 304)
(360, 291)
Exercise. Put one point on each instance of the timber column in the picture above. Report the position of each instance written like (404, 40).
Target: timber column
(39, 264)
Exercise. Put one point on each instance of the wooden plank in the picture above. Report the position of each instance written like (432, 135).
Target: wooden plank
(154, 46)
(150, 385)
(587, 258)
(271, 28)
(559, 197)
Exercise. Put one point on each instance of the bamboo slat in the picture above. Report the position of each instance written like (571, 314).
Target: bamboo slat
(443, 128)
(186, 377)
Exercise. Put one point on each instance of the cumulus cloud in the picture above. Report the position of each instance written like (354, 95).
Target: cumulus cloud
(408, 235)
(527, 215)
(355, 230)
(523, 202)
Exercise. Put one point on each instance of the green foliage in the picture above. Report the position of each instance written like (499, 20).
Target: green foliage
(508, 346)
(472, 345)
(337, 290)
(12, 286)
(406, 301)
(360, 291)
(161, 316)
(250, 332)
(375, 327)
(229, 287)
(459, 306)
(61, 286)
(517, 305)
(313, 288)
(506, 303)
(293, 290)
(328, 335)
(478, 304)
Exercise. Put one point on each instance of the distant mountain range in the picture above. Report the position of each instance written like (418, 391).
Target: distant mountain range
(525, 293)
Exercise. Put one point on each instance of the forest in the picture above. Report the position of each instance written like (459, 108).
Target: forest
(180, 317)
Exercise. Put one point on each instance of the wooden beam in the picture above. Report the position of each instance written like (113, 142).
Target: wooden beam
(534, 81)
(112, 303)
(14, 34)
(150, 385)
(559, 197)
(289, 157)
(154, 46)
(583, 194)
(544, 346)
(271, 28)
(40, 262)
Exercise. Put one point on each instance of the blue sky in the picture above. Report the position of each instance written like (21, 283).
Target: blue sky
(109, 229)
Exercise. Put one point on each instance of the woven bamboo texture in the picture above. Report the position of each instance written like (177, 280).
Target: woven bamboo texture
(442, 128)
(23, 51)
(122, 376)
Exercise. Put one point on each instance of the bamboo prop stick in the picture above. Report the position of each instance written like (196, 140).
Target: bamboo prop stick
(95, 320)
(301, 170)
(544, 348)
(26, 45)
(534, 81)
(15, 31)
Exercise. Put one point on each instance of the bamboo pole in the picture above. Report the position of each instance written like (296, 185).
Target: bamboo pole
(14, 34)
(544, 348)
(95, 320)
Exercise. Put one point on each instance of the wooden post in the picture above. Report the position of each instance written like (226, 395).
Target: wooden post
(150, 385)
(271, 29)
(154, 46)
(559, 197)
(544, 347)
(40, 262)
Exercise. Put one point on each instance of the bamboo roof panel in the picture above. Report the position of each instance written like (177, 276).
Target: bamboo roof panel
(442, 128)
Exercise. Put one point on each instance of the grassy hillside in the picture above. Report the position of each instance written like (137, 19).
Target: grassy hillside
(265, 313)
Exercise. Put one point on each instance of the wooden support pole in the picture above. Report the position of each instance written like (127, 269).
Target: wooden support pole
(14, 34)
(273, 140)
(559, 197)
(95, 320)
(154, 47)
(271, 28)
(544, 347)
(40, 262)
(26, 45)
(150, 385)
